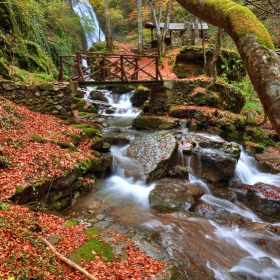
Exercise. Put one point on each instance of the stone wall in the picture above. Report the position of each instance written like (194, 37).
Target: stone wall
(53, 99)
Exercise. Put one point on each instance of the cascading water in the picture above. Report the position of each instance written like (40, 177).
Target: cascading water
(228, 250)
(89, 21)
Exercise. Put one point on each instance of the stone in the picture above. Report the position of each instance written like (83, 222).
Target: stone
(100, 217)
(139, 96)
(173, 195)
(154, 153)
(10, 86)
(185, 147)
(152, 122)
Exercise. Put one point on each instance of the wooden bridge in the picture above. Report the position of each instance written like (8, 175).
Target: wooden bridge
(102, 68)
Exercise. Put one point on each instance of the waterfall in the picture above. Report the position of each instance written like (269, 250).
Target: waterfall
(89, 22)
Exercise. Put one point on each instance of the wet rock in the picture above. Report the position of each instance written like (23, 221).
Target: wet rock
(103, 163)
(262, 198)
(269, 162)
(219, 214)
(179, 171)
(214, 161)
(97, 95)
(185, 147)
(154, 153)
(151, 122)
(120, 138)
(171, 195)
(97, 143)
(139, 96)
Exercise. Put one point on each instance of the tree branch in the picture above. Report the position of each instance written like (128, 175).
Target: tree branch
(67, 261)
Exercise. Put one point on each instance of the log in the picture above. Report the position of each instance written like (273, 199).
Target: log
(67, 261)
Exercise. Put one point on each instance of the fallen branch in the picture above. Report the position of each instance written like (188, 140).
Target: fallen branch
(67, 261)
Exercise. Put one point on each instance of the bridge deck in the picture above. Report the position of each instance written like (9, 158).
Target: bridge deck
(102, 68)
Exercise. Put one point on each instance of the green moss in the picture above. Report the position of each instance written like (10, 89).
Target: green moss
(37, 138)
(71, 223)
(88, 130)
(79, 103)
(76, 139)
(88, 115)
(61, 204)
(88, 163)
(243, 21)
(64, 145)
(91, 231)
(94, 247)
(19, 189)
(46, 86)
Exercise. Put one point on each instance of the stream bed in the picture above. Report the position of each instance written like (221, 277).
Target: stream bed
(200, 247)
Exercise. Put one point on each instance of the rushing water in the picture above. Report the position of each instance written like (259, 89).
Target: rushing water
(89, 21)
(228, 250)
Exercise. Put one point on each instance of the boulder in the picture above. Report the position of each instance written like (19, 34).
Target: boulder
(139, 96)
(262, 198)
(154, 153)
(97, 95)
(152, 122)
(214, 161)
(174, 195)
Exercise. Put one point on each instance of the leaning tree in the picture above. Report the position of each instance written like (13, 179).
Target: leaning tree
(254, 45)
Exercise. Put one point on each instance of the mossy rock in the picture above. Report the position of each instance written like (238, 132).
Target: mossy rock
(97, 143)
(83, 106)
(152, 122)
(88, 115)
(64, 145)
(259, 136)
(88, 130)
(46, 86)
(76, 139)
(61, 204)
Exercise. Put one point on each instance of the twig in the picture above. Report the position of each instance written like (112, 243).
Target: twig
(67, 261)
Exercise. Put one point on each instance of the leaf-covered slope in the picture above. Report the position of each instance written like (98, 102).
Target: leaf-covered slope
(34, 147)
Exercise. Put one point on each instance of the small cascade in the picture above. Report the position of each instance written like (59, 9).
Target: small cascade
(249, 174)
(89, 21)
(116, 107)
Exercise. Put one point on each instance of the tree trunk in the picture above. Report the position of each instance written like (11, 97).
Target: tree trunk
(108, 33)
(166, 24)
(212, 69)
(140, 31)
(254, 45)
(195, 31)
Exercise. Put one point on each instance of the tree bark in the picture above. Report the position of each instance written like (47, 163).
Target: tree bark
(108, 33)
(140, 30)
(212, 70)
(254, 45)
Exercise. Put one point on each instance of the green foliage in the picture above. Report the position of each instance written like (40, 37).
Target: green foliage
(33, 34)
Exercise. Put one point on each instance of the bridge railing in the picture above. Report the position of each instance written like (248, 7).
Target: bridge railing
(101, 67)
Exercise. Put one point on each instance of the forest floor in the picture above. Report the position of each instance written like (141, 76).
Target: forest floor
(24, 160)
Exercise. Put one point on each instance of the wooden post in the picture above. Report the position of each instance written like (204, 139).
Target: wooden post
(79, 68)
(73, 88)
(157, 70)
(136, 68)
(122, 70)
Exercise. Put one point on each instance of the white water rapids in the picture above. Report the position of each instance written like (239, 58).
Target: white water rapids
(229, 251)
